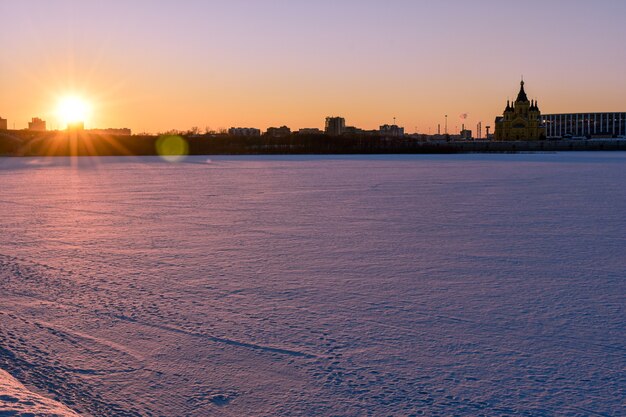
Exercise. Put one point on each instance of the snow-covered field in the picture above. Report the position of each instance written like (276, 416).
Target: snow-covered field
(17, 400)
(335, 286)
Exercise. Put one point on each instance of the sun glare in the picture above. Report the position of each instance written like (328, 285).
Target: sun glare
(72, 109)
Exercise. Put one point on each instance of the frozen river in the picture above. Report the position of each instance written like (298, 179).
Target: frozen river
(344, 286)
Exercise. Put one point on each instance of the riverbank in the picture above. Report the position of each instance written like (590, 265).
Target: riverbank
(540, 146)
(90, 144)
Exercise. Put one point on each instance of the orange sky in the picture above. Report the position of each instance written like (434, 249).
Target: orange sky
(167, 65)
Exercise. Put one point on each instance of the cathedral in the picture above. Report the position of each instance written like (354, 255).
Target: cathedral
(521, 120)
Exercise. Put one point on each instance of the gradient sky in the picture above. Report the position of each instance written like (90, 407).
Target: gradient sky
(159, 65)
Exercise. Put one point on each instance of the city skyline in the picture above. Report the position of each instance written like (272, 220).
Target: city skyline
(291, 63)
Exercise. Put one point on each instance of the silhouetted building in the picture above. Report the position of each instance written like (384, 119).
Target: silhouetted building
(335, 126)
(310, 131)
(351, 130)
(76, 126)
(465, 134)
(520, 121)
(278, 132)
(4, 124)
(244, 131)
(391, 130)
(585, 125)
(112, 131)
(37, 124)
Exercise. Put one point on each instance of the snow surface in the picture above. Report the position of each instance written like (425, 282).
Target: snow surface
(384, 285)
(16, 400)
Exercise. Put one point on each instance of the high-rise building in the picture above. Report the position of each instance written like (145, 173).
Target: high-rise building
(3, 124)
(37, 124)
(335, 126)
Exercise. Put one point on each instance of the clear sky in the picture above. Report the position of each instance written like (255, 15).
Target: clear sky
(158, 65)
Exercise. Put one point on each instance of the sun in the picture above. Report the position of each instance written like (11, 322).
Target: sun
(73, 109)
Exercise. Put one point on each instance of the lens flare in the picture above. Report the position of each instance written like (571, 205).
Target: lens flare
(172, 148)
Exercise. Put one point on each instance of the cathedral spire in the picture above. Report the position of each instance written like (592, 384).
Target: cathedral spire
(522, 94)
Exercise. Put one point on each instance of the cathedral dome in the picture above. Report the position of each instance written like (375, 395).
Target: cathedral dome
(522, 94)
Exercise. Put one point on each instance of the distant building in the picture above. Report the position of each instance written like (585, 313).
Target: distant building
(310, 131)
(391, 130)
(439, 137)
(585, 125)
(37, 124)
(4, 124)
(466, 134)
(357, 131)
(520, 121)
(352, 130)
(278, 132)
(113, 132)
(76, 126)
(244, 131)
(335, 126)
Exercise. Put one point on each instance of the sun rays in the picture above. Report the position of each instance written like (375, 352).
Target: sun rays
(72, 109)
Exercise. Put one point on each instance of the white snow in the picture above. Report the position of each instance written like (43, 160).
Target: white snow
(16, 400)
(338, 285)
